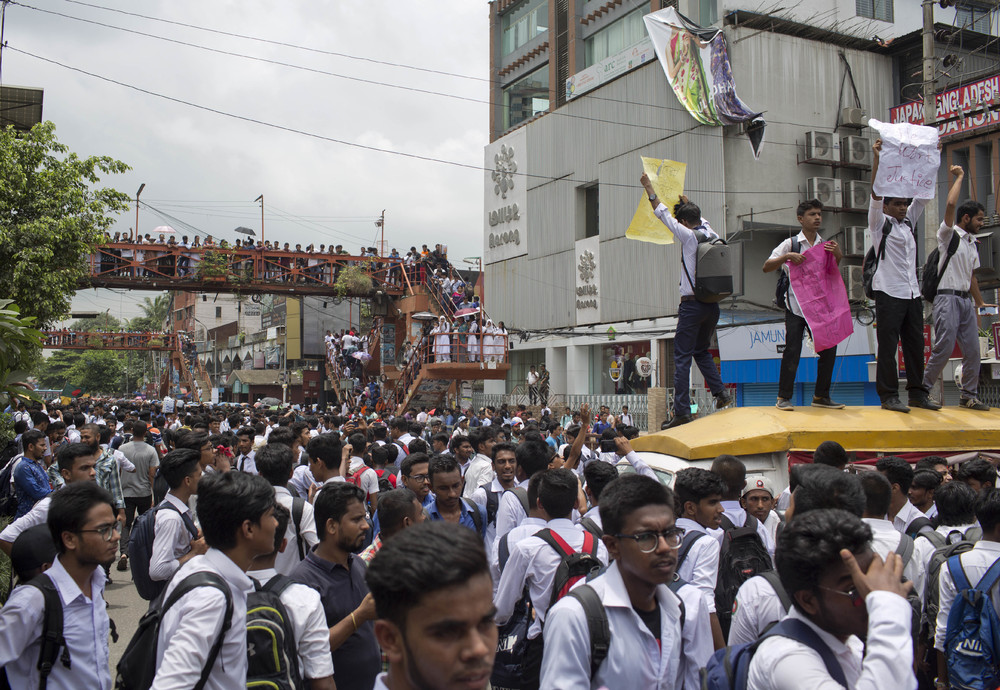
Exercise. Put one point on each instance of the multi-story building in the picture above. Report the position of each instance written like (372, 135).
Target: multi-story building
(578, 96)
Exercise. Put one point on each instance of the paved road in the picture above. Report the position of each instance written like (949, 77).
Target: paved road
(125, 607)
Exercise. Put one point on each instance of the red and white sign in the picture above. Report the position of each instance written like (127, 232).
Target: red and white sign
(953, 104)
(927, 350)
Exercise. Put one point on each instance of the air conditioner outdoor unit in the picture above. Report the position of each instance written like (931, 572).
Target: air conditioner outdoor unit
(854, 117)
(856, 150)
(857, 196)
(822, 146)
(825, 189)
(856, 240)
(852, 279)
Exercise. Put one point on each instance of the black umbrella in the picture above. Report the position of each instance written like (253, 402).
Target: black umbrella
(245, 231)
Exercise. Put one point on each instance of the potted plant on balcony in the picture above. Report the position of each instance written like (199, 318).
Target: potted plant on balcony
(213, 267)
(353, 281)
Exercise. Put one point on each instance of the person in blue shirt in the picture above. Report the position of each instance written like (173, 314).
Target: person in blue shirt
(31, 481)
(448, 505)
(554, 438)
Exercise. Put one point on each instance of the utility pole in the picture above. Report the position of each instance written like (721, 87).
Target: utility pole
(141, 187)
(381, 225)
(261, 200)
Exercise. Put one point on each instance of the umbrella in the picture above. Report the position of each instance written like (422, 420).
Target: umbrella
(363, 356)
(245, 231)
(269, 401)
(163, 230)
(468, 311)
(424, 316)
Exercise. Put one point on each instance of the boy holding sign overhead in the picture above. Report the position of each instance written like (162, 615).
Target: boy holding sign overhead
(898, 308)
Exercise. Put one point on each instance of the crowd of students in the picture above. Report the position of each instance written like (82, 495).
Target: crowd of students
(330, 552)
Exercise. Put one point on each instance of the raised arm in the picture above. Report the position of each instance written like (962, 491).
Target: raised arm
(956, 188)
(876, 150)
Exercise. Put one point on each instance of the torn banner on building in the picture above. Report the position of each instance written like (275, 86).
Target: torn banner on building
(696, 62)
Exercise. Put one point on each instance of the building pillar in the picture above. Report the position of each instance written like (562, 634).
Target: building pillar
(577, 370)
(555, 361)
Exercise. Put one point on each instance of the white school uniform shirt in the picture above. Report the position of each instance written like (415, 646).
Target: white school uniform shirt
(191, 626)
(958, 276)
(530, 526)
(286, 561)
(510, 514)
(369, 479)
(479, 473)
(593, 514)
(975, 563)
(479, 497)
(791, 303)
(302, 479)
(312, 634)
(247, 463)
(634, 659)
(85, 627)
(534, 563)
(38, 514)
(907, 514)
(697, 634)
(885, 540)
(782, 663)
(757, 607)
(626, 419)
(897, 271)
(171, 540)
(701, 565)
(689, 245)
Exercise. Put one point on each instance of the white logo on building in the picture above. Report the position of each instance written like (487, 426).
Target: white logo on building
(503, 174)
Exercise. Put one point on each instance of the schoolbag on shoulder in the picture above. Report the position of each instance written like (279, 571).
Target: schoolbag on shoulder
(52, 640)
(931, 277)
(872, 258)
(512, 638)
(137, 666)
(742, 555)
(913, 529)
(140, 549)
(272, 650)
(384, 484)
(713, 269)
(477, 517)
(972, 642)
(729, 667)
(573, 565)
(781, 289)
(591, 526)
(522, 497)
(944, 550)
(8, 497)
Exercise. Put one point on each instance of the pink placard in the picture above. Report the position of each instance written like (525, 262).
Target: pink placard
(822, 297)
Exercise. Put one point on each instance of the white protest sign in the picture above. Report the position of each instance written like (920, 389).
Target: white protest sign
(909, 161)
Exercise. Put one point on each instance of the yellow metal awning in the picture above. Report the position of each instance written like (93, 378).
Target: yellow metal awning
(746, 431)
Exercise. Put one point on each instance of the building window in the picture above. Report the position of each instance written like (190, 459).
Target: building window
(615, 37)
(522, 24)
(875, 9)
(974, 17)
(218, 312)
(526, 97)
(592, 214)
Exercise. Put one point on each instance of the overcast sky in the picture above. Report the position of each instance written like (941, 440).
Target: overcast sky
(205, 169)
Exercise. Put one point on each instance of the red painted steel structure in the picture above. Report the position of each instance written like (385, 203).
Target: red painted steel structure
(122, 340)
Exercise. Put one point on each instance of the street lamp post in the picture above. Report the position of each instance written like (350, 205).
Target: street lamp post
(141, 187)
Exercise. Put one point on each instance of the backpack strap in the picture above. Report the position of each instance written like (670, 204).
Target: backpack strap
(492, 506)
(52, 630)
(974, 533)
(918, 524)
(298, 507)
(989, 579)
(597, 624)
(503, 551)
(278, 584)
(727, 524)
(477, 517)
(886, 229)
(958, 575)
(591, 527)
(905, 548)
(689, 539)
(522, 496)
(558, 543)
(772, 579)
(933, 537)
(952, 248)
(193, 581)
(795, 629)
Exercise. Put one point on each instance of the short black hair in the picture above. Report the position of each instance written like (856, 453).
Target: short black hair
(810, 545)
(69, 507)
(696, 484)
(179, 463)
(393, 506)
(627, 494)
(33, 437)
(193, 440)
(598, 475)
(406, 467)
(980, 470)
(246, 431)
(687, 213)
(426, 558)
(327, 449)
(69, 454)
(823, 487)
(417, 445)
(968, 208)
(440, 438)
(804, 206)
(533, 456)
(898, 471)
(987, 509)
(557, 492)
(481, 435)
(733, 473)
(505, 448)
(282, 435)
(358, 444)
(928, 480)
(831, 453)
(956, 504)
(274, 463)
(440, 464)
(878, 493)
(929, 463)
(282, 515)
(228, 499)
(400, 424)
(332, 503)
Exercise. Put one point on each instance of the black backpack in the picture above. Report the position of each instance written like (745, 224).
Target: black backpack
(741, 557)
(930, 277)
(492, 506)
(52, 633)
(512, 639)
(384, 484)
(140, 550)
(913, 529)
(713, 269)
(137, 666)
(944, 549)
(272, 656)
(8, 497)
(298, 505)
(592, 527)
(872, 259)
(781, 289)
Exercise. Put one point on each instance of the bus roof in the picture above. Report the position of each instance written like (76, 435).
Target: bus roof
(747, 431)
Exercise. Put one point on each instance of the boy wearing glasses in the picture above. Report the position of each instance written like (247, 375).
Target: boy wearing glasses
(643, 614)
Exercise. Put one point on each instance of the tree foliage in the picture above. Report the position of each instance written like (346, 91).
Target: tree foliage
(52, 214)
(19, 347)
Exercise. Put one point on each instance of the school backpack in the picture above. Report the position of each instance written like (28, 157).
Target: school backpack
(591, 526)
(573, 565)
(384, 481)
(52, 640)
(972, 642)
(492, 506)
(272, 650)
(298, 506)
(522, 497)
(872, 258)
(781, 289)
(140, 549)
(512, 639)
(729, 667)
(741, 557)
(944, 549)
(9, 452)
(8, 497)
(137, 666)
(931, 277)
(913, 529)
(713, 269)
(477, 517)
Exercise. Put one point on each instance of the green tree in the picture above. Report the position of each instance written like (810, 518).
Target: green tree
(101, 372)
(19, 345)
(155, 313)
(52, 214)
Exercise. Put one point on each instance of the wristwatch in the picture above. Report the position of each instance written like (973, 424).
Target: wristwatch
(652, 196)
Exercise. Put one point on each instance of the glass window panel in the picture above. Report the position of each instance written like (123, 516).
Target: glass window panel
(523, 23)
(614, 38)
(526, 97)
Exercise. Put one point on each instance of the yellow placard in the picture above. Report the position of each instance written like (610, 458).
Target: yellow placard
(668, 181)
